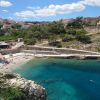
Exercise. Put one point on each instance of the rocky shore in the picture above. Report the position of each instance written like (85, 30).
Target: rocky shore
(15, 60)
(30, 89)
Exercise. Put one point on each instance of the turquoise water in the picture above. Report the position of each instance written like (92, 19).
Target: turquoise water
(65, 79)
(2, 62)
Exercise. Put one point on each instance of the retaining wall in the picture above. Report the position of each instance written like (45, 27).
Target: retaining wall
(59, 50)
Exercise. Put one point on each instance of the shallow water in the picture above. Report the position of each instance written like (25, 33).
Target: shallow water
(65, 79)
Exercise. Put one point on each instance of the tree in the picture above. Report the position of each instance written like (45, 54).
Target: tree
(16, 26)
(15, 33)
(1, 25)
(71, 32)
(56, 28)
(53, 41)
(35, 28)
(76, 23)
(81, 35)
(68, 38)
(2, 32)
(30, 41)
(37, 35)
(52, 38)
(56, 44)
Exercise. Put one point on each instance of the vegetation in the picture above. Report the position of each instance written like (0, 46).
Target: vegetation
(77, 23)
(11, 94)
(54, 33)
(56, 43)
(30, 41)
(67, 38)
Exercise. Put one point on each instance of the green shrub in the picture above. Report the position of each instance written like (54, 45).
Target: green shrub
(30, 41)
(9, 76)
(81, 35)
(11, 94)
(56, 44)
(71, 31)
(83, 38)
(67, 38)
(98, 49)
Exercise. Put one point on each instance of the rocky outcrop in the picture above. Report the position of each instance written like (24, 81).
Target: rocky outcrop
(31, 90)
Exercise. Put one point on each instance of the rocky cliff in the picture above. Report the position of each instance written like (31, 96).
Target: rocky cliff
(29, 89)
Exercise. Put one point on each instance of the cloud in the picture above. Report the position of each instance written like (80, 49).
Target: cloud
(51, 10)
(45, 12)
(32, 8)
(4, 3)
(4, 10)
(25, 14)
(91, 2)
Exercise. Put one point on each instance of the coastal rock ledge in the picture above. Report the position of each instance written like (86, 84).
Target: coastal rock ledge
(29, 89)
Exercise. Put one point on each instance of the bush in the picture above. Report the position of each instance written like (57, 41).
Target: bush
(81, 35)
(11, 94)
(56, 43)
(71, 31)
(98, 49)
(9, 76)
(30, 41)
(67, 38)
(83, 38)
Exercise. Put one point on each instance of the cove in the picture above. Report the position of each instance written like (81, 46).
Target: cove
(65, 79)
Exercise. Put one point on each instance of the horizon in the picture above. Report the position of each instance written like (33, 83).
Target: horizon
(48, 20)
(50, 10)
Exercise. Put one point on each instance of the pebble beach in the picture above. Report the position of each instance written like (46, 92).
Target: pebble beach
(14, 61)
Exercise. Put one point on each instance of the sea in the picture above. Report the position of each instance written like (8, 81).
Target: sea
(64, 79)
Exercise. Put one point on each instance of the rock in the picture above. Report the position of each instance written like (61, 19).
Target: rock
(31, 90)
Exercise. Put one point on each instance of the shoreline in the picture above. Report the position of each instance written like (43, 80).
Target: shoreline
(71, 56)
(15, 61)
(22, 58)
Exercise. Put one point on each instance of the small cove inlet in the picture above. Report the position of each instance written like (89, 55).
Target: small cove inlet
(65, 79)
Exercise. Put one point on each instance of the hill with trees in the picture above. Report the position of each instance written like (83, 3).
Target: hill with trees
(71, 34)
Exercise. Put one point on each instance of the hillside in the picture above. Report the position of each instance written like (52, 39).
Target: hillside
(80, 33)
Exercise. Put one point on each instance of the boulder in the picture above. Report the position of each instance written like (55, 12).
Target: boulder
(31, 89)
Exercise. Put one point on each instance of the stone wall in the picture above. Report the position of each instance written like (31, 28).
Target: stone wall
(58, 50)
(8, 51)
(46, 50)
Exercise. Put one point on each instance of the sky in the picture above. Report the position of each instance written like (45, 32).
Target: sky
(48, 10)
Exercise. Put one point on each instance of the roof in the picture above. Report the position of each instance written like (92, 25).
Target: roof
(3, 43)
